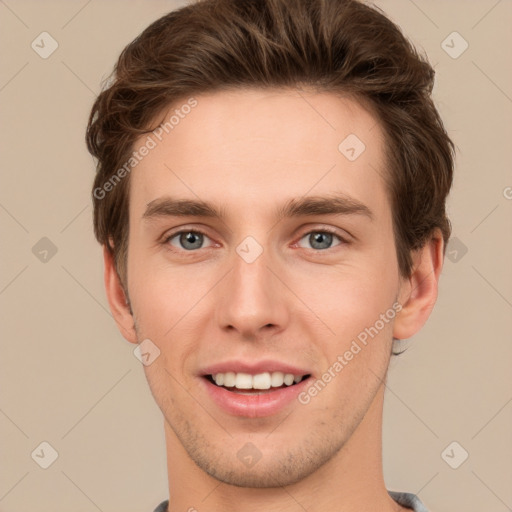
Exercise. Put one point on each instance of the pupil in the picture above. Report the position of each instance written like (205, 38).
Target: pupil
(321, 240)
(191, 240)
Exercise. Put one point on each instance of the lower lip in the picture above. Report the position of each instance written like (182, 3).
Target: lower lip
(254, 405)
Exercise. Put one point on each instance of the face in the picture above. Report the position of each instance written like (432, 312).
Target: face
(261, 256)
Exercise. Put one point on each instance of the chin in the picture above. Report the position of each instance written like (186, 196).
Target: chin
(272, 470)
(257, 479)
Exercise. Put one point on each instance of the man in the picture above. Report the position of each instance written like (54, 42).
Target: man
(270, 195)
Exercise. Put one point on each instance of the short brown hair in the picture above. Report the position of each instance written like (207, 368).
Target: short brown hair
(339, 46)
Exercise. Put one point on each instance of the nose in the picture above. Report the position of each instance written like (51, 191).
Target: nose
(252, 301)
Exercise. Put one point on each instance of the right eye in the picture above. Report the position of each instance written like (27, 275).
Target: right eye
(188, 240)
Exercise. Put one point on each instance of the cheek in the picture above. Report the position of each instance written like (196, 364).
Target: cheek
(346, 300)
(169, 301)
(161, 304)
(160, 310)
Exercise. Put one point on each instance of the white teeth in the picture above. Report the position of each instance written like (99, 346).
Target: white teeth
(261, 381)
(264, 380)
(288, 379)
(243, 381)
(229, 379)
(277, 379)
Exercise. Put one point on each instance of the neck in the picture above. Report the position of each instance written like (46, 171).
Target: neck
(350, 481)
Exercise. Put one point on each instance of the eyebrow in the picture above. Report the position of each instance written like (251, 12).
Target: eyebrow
(296, 207)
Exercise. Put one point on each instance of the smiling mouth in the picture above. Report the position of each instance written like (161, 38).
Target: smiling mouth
(261, 383)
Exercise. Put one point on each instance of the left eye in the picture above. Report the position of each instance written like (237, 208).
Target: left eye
(319, 240)
(188, 240)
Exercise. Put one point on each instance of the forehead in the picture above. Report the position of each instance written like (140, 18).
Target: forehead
(256, 147)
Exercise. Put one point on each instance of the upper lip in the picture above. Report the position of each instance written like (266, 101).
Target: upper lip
(253, 367)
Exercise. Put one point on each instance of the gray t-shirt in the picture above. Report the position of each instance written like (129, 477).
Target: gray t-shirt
(405, 499)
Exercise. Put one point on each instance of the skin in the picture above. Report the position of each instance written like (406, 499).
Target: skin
(249, 151)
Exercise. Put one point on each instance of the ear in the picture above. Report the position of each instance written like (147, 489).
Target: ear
(418, 293)
(117, 300)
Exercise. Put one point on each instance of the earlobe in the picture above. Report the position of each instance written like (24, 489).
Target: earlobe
(117, 299)
(418, 293)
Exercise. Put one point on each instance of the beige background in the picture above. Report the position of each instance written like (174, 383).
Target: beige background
(67, 377)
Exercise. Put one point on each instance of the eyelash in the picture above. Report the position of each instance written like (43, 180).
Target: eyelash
(167, 239)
